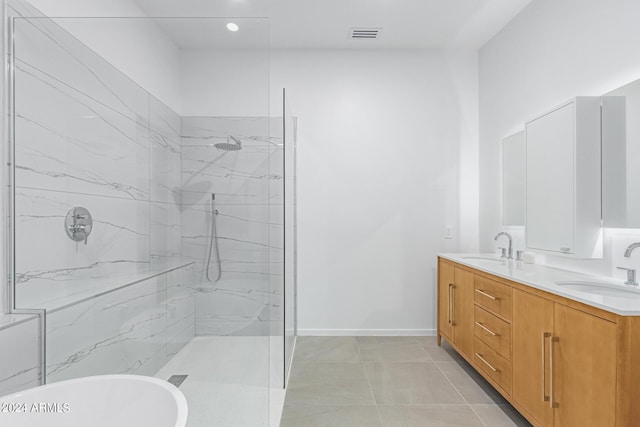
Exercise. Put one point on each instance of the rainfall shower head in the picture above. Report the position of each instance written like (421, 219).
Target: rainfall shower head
(232, 144)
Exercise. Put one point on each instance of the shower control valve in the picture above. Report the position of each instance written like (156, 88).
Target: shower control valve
(78, 224)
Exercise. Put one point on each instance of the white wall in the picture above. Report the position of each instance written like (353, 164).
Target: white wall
(225, 83)
(552, 51)
(380, 135)
(138, 48)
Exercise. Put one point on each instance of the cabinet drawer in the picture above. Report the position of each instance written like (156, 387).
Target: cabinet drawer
(493, 331)
(493, 296)
(492, 364)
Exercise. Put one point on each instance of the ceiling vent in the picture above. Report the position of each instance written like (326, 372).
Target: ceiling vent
(363, 33)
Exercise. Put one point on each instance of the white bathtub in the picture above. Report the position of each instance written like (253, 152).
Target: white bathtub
(100, 401)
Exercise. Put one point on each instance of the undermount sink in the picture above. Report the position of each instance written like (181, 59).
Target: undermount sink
(599, 288)
(483, 258)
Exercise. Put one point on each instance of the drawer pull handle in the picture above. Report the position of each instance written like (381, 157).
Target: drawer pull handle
(449, 305)
(486, 294)
(479, 356)
(486, 329)
(453, 305)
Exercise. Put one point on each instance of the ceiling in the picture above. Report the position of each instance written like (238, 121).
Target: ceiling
(437, 24)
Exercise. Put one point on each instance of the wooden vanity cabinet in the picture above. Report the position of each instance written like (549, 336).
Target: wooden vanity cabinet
(446, 276)
(492, 320)
(532, 329)
(564, 363)
(455, 306)
(584, 369)
(559, 362)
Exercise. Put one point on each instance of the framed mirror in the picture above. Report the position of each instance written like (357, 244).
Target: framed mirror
(513, 179)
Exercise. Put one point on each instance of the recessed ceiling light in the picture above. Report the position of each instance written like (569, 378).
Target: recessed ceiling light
(232, 27)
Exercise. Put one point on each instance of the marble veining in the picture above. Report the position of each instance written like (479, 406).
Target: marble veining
(20, 367)
(130, 330)
(166, 158)
(240, 177)
(249, 227)
(63, 134)
(87, 135)
(64, 274)
(65, 90)
(76, 64)
(48, 264)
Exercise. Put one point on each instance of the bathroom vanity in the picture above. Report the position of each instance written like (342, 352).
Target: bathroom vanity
(562, 347)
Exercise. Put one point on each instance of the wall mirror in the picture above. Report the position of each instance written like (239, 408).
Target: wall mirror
(513, 179)
(621, 157)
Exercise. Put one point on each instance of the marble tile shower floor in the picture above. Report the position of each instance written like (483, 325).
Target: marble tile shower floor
(388, 381)
(227, 383)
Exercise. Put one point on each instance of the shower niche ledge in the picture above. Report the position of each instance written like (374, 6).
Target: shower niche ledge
(79, 289)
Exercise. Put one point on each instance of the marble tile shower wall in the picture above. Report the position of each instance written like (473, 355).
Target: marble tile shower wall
(20, 367)
(248, 196)
(133, 330)
(86, 135)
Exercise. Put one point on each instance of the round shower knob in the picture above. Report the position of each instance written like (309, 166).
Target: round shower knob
(78, 224)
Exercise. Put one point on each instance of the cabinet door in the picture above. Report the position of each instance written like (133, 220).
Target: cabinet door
(445, 292)
(532, 319)
(463, 311)
(550, 181)
(584, 369)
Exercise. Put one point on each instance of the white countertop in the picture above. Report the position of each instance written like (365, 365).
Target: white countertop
(545, 278)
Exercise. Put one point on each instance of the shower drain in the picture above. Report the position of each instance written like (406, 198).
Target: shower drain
(176, 380)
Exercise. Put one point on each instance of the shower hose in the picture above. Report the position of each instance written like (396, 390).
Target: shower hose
(213, 240)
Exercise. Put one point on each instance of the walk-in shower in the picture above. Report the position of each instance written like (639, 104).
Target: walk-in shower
(190, 265)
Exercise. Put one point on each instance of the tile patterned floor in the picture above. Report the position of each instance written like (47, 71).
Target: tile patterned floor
(388, 381)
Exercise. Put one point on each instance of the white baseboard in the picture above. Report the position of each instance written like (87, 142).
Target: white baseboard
(367, 332)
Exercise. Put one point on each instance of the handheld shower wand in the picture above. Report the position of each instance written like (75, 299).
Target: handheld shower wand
(213, 240)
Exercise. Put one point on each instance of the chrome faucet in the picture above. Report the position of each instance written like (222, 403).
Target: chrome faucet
(631, 273)
(631, 276)
(627, 252)
(510, 250)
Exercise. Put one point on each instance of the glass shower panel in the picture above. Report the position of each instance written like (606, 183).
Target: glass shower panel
(290, 228)
(276, 252)
(169, 271)
(81, 139)
(233, 272)
(282, 243)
